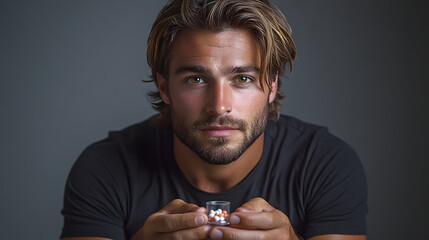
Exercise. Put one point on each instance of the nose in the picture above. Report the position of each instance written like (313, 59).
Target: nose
(219, 98)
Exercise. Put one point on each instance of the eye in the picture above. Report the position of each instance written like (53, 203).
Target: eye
(243, 79)
(195, 80)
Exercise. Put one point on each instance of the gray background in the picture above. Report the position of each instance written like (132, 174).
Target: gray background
(71, 70)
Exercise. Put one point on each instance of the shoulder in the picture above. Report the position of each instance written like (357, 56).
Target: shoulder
(319, 157)
(293, 128)
(120, 152)
(330, 176)
(295, 133)
(107, 177)
(142, 134)
(310, 151)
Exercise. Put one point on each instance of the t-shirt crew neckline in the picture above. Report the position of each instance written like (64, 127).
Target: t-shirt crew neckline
(232, 193)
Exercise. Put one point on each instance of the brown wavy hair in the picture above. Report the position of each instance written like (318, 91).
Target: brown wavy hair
(265, 21)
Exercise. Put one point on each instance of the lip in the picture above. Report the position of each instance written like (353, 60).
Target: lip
(219, 131)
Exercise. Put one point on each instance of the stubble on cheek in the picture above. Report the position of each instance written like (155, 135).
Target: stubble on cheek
(218, 150)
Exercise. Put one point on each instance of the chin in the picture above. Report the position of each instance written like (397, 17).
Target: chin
(221, 154)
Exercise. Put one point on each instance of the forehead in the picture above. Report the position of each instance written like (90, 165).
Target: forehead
(226, 48)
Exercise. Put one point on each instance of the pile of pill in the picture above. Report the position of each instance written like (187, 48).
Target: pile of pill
(218, 216)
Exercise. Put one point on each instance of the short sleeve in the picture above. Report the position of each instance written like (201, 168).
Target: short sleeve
(96, 194)
(336, 190)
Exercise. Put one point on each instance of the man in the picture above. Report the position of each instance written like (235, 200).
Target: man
(219, 136)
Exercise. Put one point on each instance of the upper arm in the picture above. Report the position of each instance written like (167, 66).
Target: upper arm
(335, 191)
(95, 195)
(338, 237)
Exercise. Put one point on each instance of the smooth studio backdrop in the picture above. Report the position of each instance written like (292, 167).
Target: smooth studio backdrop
(70, 71)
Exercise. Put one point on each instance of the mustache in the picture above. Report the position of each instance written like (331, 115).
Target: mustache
(223, 121)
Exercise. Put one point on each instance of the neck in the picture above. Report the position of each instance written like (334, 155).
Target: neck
(216, 178)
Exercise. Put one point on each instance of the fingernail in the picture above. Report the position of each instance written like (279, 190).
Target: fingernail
(234, 219)
(207, 228)
(199, 220)
(216, 234)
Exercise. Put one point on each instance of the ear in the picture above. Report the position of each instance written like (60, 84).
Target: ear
(162, 88)
(274, 85)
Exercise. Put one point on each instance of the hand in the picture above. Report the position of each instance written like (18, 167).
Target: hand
(256, 219)
(177, 220)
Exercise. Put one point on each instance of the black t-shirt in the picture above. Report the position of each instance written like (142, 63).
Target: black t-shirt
(313, 177)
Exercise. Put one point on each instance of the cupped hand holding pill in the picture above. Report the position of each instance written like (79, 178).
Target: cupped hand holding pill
(177, 220)
(256, 219)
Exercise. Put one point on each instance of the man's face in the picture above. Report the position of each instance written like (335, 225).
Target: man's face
(218, 107)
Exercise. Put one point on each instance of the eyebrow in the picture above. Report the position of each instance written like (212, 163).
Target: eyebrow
(204, 70)
(243, 69)
(193, 69)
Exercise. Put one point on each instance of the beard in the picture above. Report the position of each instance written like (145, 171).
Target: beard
(219, 150)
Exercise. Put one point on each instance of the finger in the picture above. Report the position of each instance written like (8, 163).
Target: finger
(259, 220)
(192, 233)
(226, 233)
(201, 210)
(255, 205)
(164, 222)
(179, 206)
